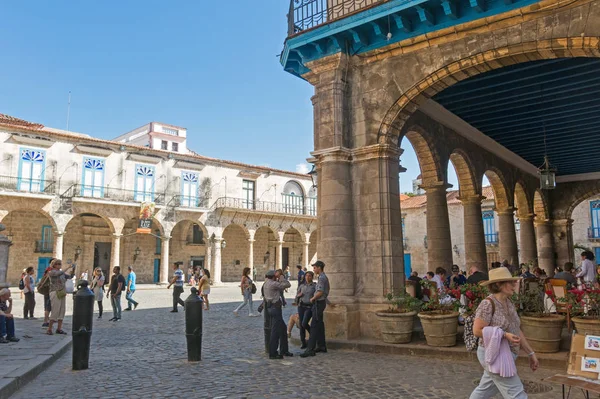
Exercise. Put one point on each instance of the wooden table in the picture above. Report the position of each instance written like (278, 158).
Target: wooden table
(586, 385)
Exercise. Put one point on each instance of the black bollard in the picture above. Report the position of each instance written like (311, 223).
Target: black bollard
(267, 326)
(193, 325)
(83, 312)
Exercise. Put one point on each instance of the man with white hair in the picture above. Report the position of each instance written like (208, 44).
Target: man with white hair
(7, 320)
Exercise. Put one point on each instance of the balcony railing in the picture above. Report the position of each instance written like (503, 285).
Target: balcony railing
(27, 185)
(307, 14)
(44, 246)
(186, 201)
(491, 238)
(594, 232)
(264, 206)
(114, 194)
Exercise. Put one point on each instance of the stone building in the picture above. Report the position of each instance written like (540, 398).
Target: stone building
(72, 196)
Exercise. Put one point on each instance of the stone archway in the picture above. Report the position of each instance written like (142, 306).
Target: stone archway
(429, 162)
(234, 256)
(188, 243)
(465, 171)
(147, 264)
(265, 250)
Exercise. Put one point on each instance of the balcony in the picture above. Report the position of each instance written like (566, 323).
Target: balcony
(491, 238)
(594, 233)
(270, 207)
(25, 185)
(113, 194)
(44, 246)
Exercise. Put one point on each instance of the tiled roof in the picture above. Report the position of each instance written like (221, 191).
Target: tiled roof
(419, 201)
(11, 120)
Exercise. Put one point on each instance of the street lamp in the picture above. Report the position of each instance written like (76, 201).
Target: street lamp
(313, 175)
(547, 174)
(223, 244)
(77, 252)
(136, 253)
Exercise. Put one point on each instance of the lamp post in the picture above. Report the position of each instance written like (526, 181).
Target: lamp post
(136, 253)
(77, 252)
(313, 175)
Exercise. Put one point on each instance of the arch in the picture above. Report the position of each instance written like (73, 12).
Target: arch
(105, 218)
(467, 184)
(501, 193)
(5, 215)
(428, 160)
(182, 228)
(540, 206)
(234, 256)
(466, 67)
(293, 240)
(292, 187)
(522, 200)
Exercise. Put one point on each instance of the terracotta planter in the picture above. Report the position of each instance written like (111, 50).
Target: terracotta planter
(439, 328)
(396, 328)
(543, 333)
(585, 326)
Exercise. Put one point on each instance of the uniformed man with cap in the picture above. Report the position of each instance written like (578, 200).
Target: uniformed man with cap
(316, 342)
(273, 289)
(177, 280)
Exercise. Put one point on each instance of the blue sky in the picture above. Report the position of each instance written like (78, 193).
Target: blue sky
(209, 66)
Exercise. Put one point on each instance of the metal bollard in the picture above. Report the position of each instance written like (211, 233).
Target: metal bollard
(83, 312)
(267, 326)
(193, 325)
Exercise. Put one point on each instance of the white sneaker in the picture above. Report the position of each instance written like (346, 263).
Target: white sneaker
(235, 312)
(253, 315)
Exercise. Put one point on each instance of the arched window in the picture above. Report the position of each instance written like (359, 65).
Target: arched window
(293, 198)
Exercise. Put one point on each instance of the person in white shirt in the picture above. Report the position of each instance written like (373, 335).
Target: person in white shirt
(440, 276)
(588, 270)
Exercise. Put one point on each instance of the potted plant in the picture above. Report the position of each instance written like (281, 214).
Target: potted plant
(474, 293)
(439, 316)
(584, 308)
(396, 323)
(542, 328)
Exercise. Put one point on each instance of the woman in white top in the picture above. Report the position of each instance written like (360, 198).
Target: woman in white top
(29, 292)
(588, 269)
(98, 288)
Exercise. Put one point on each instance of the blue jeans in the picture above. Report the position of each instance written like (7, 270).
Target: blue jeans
(116, 305)
(7, 327)
(247, 301)
(304, 316)
(492, 384)
(130, 300)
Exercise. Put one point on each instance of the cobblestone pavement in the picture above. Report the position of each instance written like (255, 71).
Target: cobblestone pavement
(144, 355)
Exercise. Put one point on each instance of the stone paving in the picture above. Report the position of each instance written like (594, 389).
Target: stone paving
(144, 355)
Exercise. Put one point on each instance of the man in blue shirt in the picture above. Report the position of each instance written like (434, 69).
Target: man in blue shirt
(456, 279)
(177, 281)
(130, 284)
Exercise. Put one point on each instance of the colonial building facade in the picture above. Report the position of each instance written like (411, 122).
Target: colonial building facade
(72, 196)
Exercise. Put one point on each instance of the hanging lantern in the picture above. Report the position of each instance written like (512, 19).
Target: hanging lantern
(313, 175)
(547, 174)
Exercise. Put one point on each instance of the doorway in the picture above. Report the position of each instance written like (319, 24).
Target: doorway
(285, 257)
(407, 266)
(156, 270)
(102, 253)
(43, 263)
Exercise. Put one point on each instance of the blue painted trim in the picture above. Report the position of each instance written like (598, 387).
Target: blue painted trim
(194, 185)
(143, 193)
(595, 218)
(20, 177)
(93, 186)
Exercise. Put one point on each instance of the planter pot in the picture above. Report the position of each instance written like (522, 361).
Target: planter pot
(543, 333)
(439, 328)
(585, 326)
(396, 328)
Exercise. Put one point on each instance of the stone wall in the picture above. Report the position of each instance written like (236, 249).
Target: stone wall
(144, 264)
(235, 250)
(181, 246)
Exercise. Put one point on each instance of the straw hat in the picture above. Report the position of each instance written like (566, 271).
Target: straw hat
(499, 275)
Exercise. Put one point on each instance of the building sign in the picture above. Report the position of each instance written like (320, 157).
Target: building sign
(146, 215)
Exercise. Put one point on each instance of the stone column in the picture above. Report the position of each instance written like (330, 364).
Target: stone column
(5, 243)
(475, 250)
(306, 253)
(58, 244)
(208, 258)
(216, 277)
(251, 255)
(280, 254)
(507, 236)
(563, 240)
(528, 243)
(164, 260)
(439, 243)
(116, 251)
(545, 245)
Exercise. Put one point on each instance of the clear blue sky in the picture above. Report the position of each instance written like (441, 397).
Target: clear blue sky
(211, 67)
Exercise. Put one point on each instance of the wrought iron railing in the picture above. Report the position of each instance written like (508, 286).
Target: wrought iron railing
(307, 14)
(27, 185)
(114, 194)
(594, 232)
(44, 246)
(263, 206)
(491, 238)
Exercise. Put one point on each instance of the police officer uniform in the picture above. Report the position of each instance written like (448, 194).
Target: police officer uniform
(316, 342)
(273, 290)
(305, 292)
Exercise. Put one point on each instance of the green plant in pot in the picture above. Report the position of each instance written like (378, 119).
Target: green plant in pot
(584, 308)
(396, 323)
(542, 328)
(439, 316)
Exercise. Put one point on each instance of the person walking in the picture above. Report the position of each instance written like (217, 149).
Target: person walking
(498, 327)
(130, 284)
(204, 287)
(246, 286)
(177, 280)
(316, 342)
(272, 290)
(305, 293)
(588, 270)
(29, 292)
(58, 294)
(117, 285)
(97, 287)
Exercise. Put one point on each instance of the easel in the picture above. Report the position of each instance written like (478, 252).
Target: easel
(586, 381)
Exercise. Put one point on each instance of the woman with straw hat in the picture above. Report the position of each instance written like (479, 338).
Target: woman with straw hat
(498, 311)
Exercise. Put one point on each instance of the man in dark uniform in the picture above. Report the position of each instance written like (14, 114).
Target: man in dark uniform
(305, 292)
(316, 342)
(273, 289)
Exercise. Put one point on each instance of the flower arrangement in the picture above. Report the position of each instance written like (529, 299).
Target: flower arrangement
(403, 303)
(583, 302)
(531, 301)
(475, 294)
(444, 300)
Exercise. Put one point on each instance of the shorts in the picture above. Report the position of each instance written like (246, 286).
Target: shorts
(47, 304)
(206, 291)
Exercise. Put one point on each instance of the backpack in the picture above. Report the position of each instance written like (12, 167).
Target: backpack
(21, 284)
(471, 341)
(44, 287)
(253, 288)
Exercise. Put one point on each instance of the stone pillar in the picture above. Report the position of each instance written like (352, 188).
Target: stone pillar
(528, 243)
(475, 250)
(208, 259)
(5, 243)
(439, 243)
(251, 255)
(216, 277)
(507, 236)
(58, 244)
(280, 254)
(116, 251)
(306, 254)
(563, 241)
(545, 246)
(164, 260)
